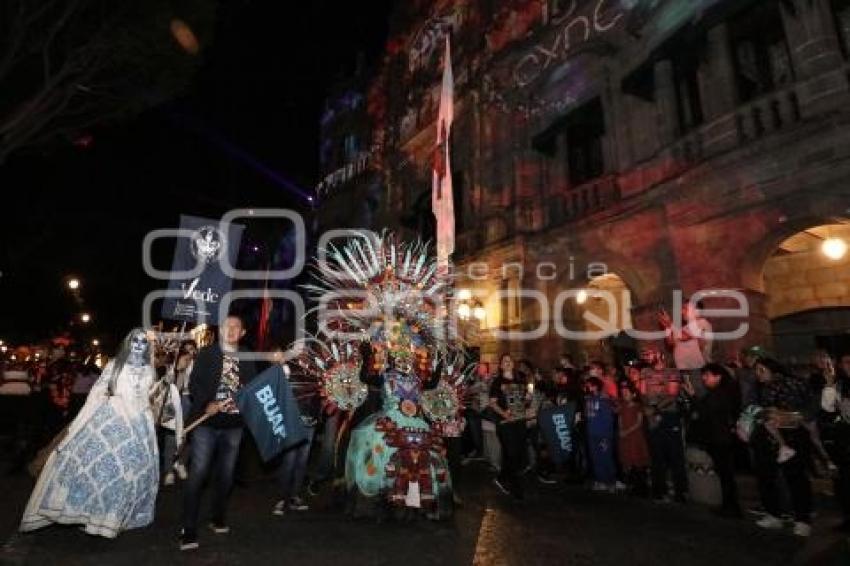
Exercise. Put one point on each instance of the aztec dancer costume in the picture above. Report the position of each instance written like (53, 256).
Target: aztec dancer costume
(387, 330)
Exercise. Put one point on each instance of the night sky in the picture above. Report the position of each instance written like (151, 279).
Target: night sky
(254, 104)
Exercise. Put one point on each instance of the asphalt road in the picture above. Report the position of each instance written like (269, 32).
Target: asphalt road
(557, 525)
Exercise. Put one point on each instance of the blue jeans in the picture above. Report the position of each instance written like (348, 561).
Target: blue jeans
(210, 446)
(168, 448)
(293, 467)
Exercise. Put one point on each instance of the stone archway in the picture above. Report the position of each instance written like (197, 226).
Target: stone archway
(607, 297)
(807, 292)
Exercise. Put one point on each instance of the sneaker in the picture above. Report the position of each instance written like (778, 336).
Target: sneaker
(297, 504)
(188, 541)
(770, 522)
(169, 479)
(279, 508)
(802, 529)
(501, 487)
(546, 479)
(181, 471)
(785, 454)
(219, 528)
(313, 488)
(757, 511)
(471, 457)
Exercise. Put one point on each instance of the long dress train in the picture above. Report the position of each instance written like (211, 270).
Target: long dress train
(104, 475)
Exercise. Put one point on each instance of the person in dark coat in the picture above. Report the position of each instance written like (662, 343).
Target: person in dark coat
(716, 414)
(786, 401)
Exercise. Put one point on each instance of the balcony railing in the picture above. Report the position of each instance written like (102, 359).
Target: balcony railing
(756, 119)
(689, 148)
(768, 114)
(585, 199)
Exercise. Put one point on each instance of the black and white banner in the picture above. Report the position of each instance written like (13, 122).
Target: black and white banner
(197, 299)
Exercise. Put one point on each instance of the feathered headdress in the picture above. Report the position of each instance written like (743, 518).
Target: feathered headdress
(374, 289)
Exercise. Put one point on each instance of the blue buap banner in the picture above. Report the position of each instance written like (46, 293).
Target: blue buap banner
(556, 424)
(271, 413)
(199, 297)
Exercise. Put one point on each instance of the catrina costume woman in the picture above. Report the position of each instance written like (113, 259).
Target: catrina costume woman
(385, 329)
(104, 474)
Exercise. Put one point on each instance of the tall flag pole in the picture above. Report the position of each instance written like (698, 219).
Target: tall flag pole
(442, 197)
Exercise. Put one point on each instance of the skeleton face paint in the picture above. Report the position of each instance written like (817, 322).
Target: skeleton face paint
(139, 348)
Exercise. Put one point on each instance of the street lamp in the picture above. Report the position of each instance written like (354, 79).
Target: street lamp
(478, 312)
(85, 318)
(184, 36)
(95, 342)
(834, 248)
(73, 283)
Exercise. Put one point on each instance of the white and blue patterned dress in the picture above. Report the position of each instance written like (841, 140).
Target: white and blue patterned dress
(105, 474)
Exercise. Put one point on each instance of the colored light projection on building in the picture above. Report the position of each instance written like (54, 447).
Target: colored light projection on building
(526, 56)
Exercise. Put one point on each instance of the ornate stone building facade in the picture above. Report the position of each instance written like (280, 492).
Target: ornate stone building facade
(643, 147)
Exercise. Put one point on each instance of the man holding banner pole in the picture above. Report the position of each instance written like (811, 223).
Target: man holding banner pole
(216, 377)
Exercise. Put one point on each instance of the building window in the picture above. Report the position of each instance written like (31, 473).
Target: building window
(350, 148)
(584, 130)
(688, 101)
(841, 12)
(762, 61)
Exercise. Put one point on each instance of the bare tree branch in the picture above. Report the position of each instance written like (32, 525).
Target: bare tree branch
(57, 27)
(66, 65)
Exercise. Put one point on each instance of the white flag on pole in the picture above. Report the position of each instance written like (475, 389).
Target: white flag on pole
(442, 197)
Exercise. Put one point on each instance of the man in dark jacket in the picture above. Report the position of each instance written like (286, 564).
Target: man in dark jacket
(717, 413)
(216, 376)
